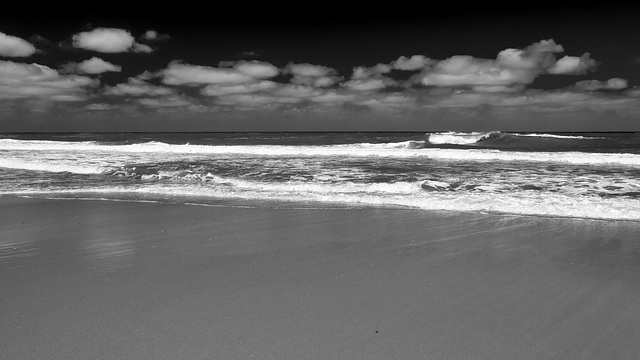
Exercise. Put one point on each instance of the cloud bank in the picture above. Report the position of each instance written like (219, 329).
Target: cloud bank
(407, 87)
(18, 80)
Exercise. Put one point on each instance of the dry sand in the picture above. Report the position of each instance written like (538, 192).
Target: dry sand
(116, 280)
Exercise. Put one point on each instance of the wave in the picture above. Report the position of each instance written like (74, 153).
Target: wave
(523, 141)
(554, 136)
(458, 138)
(93, 153)
(56, 167)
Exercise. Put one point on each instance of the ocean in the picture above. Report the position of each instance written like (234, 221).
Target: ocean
(580, 175)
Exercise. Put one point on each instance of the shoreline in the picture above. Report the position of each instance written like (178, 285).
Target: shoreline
(118, 279)
(291, 205)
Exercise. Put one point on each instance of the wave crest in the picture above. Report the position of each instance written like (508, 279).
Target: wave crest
(458, 138)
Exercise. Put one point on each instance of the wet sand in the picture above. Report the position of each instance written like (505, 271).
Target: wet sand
(118, 280)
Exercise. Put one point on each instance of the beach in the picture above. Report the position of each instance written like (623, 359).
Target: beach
(89, 279)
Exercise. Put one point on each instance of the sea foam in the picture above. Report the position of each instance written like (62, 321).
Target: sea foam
(390, 150)
(407, 195)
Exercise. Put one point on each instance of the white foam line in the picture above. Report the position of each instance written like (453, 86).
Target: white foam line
(353, 150)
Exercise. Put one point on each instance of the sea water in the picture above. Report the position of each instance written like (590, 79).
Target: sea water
(584, 175)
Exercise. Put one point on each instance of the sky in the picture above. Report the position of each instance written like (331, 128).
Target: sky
(450, 66)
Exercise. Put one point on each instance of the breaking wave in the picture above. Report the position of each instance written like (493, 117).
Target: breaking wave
(458, 138)
(403, 150)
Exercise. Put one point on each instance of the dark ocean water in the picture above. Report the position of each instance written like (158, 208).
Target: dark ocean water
(586, 175)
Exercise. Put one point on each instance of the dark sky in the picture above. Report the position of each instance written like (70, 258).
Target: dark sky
(320, 66)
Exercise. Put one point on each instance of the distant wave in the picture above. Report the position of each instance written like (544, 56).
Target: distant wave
(554, 136)
(408, 149)
(495, 137)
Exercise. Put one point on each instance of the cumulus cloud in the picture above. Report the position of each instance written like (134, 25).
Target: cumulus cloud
(153, 35)
(361, 72)
(332, 97)
(221, 89)
(249, 100)
(19, 80)
(611, 84)
(466, 70)
(296, 91)
(137, 87)
(141, 48)
(166, 102)
(573, 65)
(282, 94)
(312, 75)
(94, 65)
(497, 88)
(368, 84)
(511, 69)
(98, 107)
(108, 40)
(415, 62)
(178, 73)
(12, 46)
(256, 69)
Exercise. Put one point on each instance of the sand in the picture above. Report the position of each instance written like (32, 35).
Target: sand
(119, 280)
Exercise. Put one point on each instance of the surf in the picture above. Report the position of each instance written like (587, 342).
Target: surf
(24, 153)
(459, 138)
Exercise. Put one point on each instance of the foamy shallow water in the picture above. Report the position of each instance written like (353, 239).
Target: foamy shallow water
(365, 170)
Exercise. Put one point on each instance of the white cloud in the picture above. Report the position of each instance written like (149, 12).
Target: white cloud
(153, 35)
(368, 84)
(12, 46)
(511, 69)
(415, 62)
(634, 92)
(18, 80)
(545, 46)
(220, 89)
(296, 91)
(178, 73)
(573, 65)
(150, 35)
(332, 97)
(256, 69)
(137, 87)
(518, 59)
(242, 72)
(172, 101)
(497, 88)
(98, 106)
(94, 65)
(141, 48)
(361, 72)
(309, 70)
(611, 84)
(313, 75)
(108, 40)
(466, 70)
